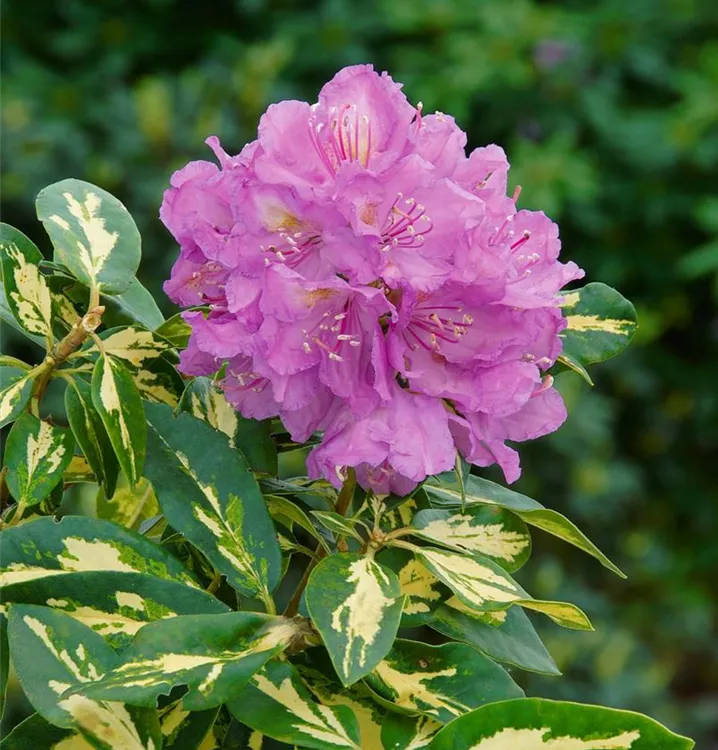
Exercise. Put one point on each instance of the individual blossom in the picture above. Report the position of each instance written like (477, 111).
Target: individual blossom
(354, 273)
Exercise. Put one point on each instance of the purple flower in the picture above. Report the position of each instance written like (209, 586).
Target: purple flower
(361, 277)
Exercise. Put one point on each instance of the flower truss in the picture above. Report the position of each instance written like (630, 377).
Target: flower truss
(360, 276)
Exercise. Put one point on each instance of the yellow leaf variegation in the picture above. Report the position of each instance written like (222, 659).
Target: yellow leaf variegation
(26, 290)
(39, 453)
(213, 655)
(15, 392)
(355, 604)
(492, 532)
(54, 654)
(537, 724)
(278, 704)
(115, 396)
(92, 232)
(482, 586)
(600, 323)
(442, 682)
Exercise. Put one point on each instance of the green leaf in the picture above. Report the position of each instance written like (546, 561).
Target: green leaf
(484, 586)
(44, 547)
(277, 703)
(537, 724)
(27, 293)
(119, 405)
(213, 655)
(287, 513)
(90, 434)
(92, 232)
(175, 330)
(573, 364)
(442, 682)
(38, 454)
(53, 654)
(208, 493)
(35, 733)
(4, 661)
(355, 604)
(422, 590)
(204, 400)
(15, 393)
(185, 730)
(129, 507)
(337, 524)
(600, 323)
(113, 604)
(489, 531)
(506, 635)
(134, 305)
(444, 492)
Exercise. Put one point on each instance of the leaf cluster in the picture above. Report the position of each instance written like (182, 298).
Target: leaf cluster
(211, 598)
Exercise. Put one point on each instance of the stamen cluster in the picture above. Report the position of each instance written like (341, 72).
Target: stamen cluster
(360, 276)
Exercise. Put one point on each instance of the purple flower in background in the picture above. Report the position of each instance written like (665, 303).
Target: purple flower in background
(360, 276)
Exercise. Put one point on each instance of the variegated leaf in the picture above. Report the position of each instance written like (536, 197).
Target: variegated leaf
(38, 453)
(401, 515)
(443, 491)
(36, 732)
(15, 392)
(143, 354)
(204, 400)
(90, 434)
(208, 493)
(442, 682)
(355, 604)
(489, 531)
(119, 405)
(92, 233)
(538, 724)
(186, 730)
(504, 635)
(43, 547)
(276, 702)
(27, 293)
(600, 323)
(422, 590)
(129, 507)
(115, 604)
(213, 655)
(378, 727)
(53, 654)
(484, 586)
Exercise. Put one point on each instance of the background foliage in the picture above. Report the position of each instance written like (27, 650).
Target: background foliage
(608, 111)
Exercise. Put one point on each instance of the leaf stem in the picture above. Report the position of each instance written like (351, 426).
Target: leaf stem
(342, 505)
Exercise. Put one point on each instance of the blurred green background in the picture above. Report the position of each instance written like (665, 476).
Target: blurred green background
(608, 110)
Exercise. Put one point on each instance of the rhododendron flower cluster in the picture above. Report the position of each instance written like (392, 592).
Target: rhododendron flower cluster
(361, 276)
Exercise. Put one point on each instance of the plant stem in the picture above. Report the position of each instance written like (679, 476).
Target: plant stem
(80, 331)
(342, 505)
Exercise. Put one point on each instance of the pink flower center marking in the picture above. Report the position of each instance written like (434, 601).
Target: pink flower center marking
(438, 325)
(291, 247)
(331, 334)
(346, 137)
(406, 225)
